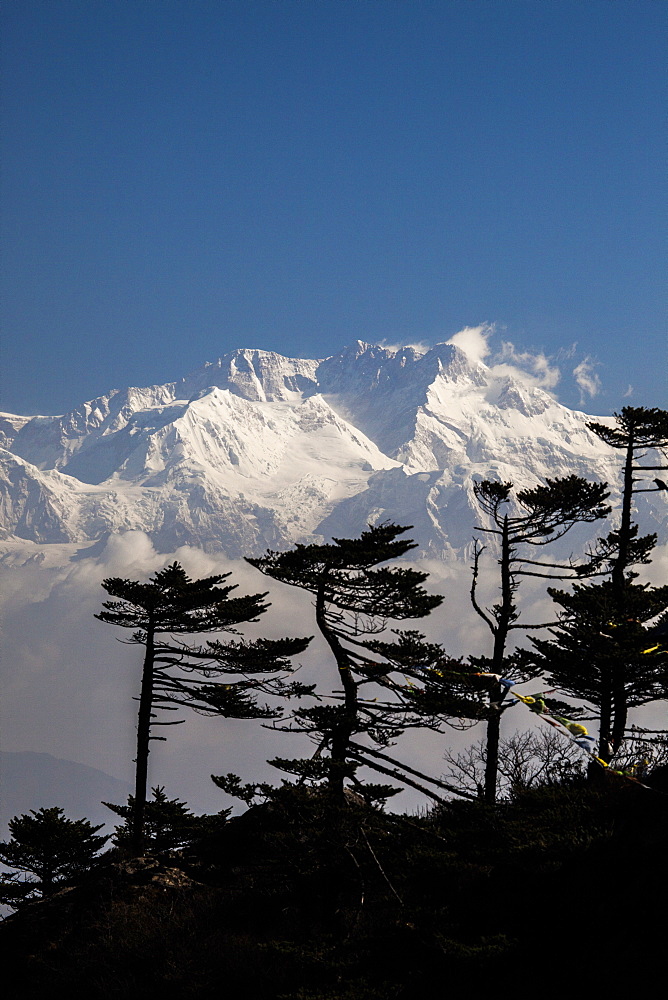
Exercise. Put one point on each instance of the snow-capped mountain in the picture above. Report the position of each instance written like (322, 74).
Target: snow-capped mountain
(257, 450)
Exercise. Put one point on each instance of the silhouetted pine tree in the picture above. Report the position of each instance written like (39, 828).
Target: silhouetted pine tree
(603, 660)
(172, 605)
(600, 652)
(544, 514)
(355, 598)
(638, 431)
(49, 847)
(168, 823)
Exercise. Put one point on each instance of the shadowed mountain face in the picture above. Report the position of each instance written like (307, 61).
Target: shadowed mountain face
(256, 450)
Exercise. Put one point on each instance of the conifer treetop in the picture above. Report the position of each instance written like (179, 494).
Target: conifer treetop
(173, 669)
(172, 602)
(343, 572)
(591, 639)
(46, 844)
(647, 426)
(553, 507)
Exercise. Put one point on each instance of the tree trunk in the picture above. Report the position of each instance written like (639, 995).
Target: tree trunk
(47, 884)
(622, 560)
(604, 747)
(503, 620)
(143, 738)
(619, 707)
(343, 732)
(492, 754)
(618, 691)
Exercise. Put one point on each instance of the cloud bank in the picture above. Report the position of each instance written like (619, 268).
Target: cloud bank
(70, 682)
(533, 368)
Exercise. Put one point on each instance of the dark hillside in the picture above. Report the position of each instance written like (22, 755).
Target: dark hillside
(297, 900)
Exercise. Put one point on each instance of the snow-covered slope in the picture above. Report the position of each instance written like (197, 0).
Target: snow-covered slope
(257, 450)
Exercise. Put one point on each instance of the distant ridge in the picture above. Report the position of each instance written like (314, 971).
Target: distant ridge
(35, 780)
(256, 450)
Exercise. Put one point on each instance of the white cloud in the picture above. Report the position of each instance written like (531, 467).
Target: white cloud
(587, 379)
(533, 369)
(70, 684)
(473, 341)
(629, 392)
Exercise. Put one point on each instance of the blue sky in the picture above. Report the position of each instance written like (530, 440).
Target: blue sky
(183, 178)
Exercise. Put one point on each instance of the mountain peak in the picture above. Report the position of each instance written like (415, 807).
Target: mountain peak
(455, 363)
(257, 450)
(261, 376)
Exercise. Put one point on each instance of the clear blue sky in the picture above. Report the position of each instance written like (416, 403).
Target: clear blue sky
(183, 177)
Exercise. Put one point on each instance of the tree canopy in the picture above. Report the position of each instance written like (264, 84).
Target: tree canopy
(50, 849)
(600, 651)
(355, 599)
(176, 673)
(542, 515)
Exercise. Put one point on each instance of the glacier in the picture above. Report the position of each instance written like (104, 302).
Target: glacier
(257, 451)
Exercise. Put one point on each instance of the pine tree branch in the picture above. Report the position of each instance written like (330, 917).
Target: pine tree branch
(411, 770)
(404, 779)
(553, 576)
(477, 552)
(523, 626)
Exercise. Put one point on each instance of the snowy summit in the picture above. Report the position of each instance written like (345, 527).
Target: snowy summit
(256, 450)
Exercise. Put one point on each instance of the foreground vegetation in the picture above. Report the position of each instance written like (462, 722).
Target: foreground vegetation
(302, 899)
